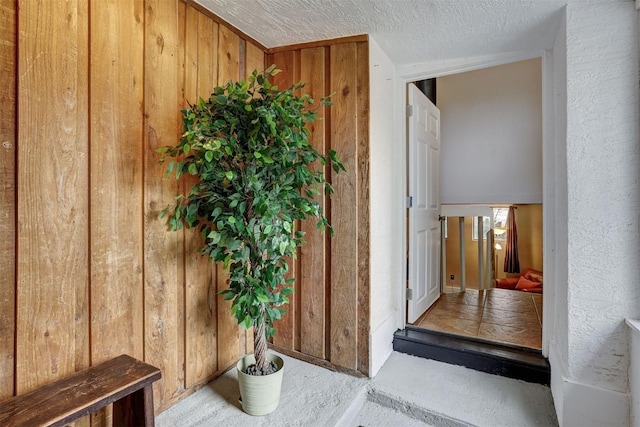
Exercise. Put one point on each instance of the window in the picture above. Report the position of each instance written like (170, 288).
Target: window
(499, 224)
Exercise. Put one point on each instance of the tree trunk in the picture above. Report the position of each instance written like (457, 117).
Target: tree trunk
(260, 345)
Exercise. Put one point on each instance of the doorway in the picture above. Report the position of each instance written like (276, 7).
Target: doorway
(500, 315)
(491, 305)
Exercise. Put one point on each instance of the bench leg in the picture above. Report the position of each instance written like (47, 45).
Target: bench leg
(135, 409)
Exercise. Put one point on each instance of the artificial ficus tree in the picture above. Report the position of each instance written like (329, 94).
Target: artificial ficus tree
(248, 146)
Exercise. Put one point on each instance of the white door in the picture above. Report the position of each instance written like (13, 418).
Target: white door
(424, 210)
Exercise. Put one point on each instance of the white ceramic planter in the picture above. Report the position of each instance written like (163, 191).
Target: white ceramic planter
(260, 394)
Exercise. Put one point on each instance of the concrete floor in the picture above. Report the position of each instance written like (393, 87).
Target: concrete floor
(408, 391)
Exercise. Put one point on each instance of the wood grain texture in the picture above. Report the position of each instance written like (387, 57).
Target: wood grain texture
(254, 59)
(116, 106)
(286, 327)
(181, 291)
(52, 326)
(163, 268)
(228, 330)
(197, 6)
(88, 204)
(8, 77)
(116, 123)
(319, 43)
(332, 300)
(362, 76)
(200, 308)
(344, 215)
(79, 394)
(312, 274)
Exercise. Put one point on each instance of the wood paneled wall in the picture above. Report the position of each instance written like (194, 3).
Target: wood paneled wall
(95, 273)
(8, 64)
(88, 270)
(329, 317)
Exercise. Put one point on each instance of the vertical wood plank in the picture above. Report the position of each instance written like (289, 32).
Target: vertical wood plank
(344, 215)
(8, 78)
(189, 56)
(163, 250)
(286, 326)
(254, 59)
(116, 104)
(228, 55)
(181, 291)
(116, 72)
(52, 327)
(362, 75)
(228, 330)
(82, 344)
(313, 255)
(207, 45)
(199, 271)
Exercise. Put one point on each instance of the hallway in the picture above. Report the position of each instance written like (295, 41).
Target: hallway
(498, 315)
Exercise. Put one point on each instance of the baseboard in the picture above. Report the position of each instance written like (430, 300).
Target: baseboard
(585, 405)
(381, 343)
(558, 375)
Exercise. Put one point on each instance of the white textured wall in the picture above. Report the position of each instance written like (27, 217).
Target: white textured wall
(492, 134)
(386, 225)
(603, 176)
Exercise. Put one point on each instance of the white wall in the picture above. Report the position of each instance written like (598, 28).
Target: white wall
(556, 219)
(592, 193)
(386, 225)
(491, 127)
(603, 203)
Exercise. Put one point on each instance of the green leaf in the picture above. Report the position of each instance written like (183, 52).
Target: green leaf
(255, 174)
(247, 322)
(228, 295)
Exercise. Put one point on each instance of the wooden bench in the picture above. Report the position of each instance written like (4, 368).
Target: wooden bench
(123, 381)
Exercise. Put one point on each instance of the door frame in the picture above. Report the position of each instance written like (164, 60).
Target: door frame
(415, 72)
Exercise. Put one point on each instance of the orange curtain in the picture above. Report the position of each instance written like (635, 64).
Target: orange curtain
(511, 261)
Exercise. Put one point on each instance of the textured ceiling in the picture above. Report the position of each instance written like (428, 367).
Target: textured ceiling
(409, 31)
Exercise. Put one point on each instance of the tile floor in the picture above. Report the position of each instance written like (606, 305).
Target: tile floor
(499, 315)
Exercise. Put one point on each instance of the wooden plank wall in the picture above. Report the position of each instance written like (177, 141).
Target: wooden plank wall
(88, 270)
(94, 272)
(8, 64)
(329, 317)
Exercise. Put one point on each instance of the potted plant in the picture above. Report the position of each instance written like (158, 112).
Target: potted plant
(257, 173)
